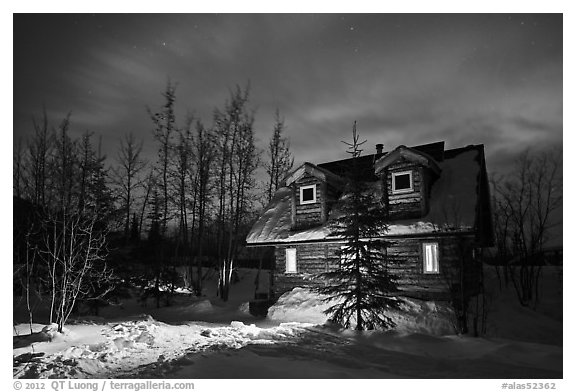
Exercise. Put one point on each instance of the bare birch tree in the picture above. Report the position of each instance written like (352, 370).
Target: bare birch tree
(203, 152)
(72, 231)
(526, 201)
(182, 189)
(239, 159)
(127, 175)
(148, 187)
(74, 250)
(164, 129)
(165, 126)
(39, 152)
(18, 169)
(280, 160)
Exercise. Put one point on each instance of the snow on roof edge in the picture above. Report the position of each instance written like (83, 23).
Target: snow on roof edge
(453, 204)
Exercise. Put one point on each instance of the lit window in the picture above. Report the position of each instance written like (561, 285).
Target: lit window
(402, 182)
(291, 260)
(308, 194)
(430, 256)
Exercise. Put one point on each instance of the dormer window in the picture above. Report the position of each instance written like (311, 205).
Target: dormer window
(308, 194)
(402, 182)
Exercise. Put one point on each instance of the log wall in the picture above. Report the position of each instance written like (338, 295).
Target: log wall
(411, 204)
(405, 261)
(311, 259)
(307, 215)
(312, 214)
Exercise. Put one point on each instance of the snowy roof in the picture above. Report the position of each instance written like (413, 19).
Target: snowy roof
(409, 154)
(454, 200)
(318, 172)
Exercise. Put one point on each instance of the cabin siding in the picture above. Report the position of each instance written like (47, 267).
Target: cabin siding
(311, 259)
(332, 195)
(405, 261)
(426, 184)
(308, 215)
(405, 205)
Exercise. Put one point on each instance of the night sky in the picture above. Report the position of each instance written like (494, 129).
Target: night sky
(406, 79)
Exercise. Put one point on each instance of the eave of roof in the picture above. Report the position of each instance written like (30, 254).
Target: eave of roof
(315, 171)
(328, 240)
(407, 153)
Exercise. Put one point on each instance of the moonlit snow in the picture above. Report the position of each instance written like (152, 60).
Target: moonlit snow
(199, 337)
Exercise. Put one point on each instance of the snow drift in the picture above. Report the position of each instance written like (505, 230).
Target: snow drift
(414, 316)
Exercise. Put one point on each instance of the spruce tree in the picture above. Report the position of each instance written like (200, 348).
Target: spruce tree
(363, 287)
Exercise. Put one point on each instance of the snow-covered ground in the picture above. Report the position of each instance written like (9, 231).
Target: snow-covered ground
(133, 348)
(209, 339)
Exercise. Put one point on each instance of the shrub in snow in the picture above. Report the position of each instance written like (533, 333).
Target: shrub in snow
(51, 332)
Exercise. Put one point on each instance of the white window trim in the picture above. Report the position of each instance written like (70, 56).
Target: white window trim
(405, 190)
(295, 261)
(424, 270)
(302, 188)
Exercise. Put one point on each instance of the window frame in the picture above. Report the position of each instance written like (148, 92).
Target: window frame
(314, 196)
(424, 270)
(403, 190)
(295, 271)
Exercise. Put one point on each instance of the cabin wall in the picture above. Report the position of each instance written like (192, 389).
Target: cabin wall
(457, 267)
(405, 261)
(408, 204)
(311, 259)
(308, 215)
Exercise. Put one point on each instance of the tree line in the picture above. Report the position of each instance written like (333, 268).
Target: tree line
(191, 205)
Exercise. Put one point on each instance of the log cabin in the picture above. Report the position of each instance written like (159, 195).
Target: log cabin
(439, 218)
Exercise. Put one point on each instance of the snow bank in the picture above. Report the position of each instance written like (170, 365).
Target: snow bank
(208, 307)
(85, 350)
(300, 305)
(116, 349)
(426, 317)
(506, 318)
(303, 305)
(203, 306)
(147, 348)
(466, 348)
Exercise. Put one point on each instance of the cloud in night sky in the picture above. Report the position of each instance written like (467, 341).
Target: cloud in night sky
(407, 79)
